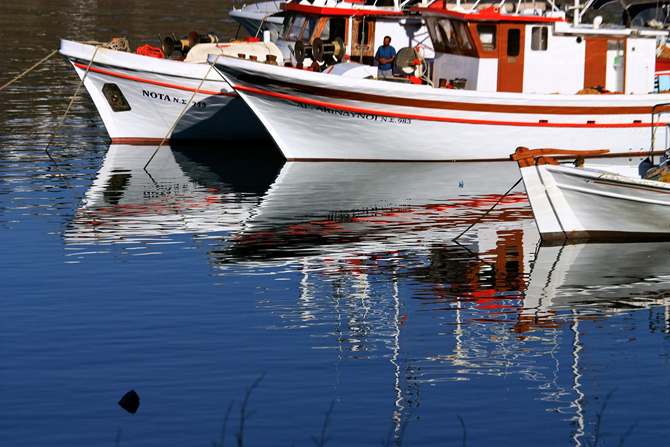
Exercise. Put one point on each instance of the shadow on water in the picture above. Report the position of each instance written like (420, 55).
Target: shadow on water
(249, 167)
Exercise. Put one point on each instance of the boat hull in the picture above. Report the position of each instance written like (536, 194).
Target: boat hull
(316, 116)
(575, 203)
(157, 92)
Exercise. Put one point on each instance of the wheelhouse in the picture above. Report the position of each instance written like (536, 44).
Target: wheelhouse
(537, 52)
(361, 26)
(306, 28)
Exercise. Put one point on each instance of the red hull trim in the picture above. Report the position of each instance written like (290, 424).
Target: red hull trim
(327, 11)
(439, 119)
(140, 141)
(147, 81)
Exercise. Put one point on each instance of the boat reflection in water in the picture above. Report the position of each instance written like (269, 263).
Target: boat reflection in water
(378, 277)
(270, 210)
(175, 194)
(599, 279)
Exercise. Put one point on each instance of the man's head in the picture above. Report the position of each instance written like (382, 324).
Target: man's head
(387, 41)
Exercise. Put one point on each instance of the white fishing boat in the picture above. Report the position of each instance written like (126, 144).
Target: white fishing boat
(573, 202)
(146, 97)
(500, 78)
(259, 16)
(172, 92)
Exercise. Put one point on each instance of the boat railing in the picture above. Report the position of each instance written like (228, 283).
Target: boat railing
(238, 4)
(656, 113)
(540, 7)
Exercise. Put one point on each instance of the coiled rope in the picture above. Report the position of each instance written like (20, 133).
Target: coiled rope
(148, 50)
(118, 44)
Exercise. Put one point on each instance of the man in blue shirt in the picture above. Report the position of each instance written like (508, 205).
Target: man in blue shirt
(385, 56)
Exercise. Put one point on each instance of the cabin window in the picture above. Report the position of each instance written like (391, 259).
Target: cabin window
(449, 34)
(538, 39)
(334, 27)
(487, 36)
(310, 25)
(286, 25)
(463, 36)
(436, 35)
(296, 27)
(363, 38)
(513, 42)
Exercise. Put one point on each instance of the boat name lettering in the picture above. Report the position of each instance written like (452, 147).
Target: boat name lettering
(168, 98)
(359, 115)
(172, 189)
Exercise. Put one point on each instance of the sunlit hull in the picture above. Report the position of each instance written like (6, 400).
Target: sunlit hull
(316, 116)
(140, 99)
(577, 203)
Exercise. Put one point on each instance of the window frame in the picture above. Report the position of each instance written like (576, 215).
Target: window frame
(543, 43)
(513, 43)
(460, 42)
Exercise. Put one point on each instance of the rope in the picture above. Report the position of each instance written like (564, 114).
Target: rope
(118, 44)
(182, 112)
(489, 210)
(148, 50)
(261, 25)
(72, 100)
(28, 70)
(46, 149)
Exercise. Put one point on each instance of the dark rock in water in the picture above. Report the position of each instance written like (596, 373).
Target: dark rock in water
(130, 401)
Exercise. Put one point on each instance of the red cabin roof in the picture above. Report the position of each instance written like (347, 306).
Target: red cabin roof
(490, 14)
(327, 11)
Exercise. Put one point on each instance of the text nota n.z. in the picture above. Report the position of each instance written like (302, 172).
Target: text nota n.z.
(168, 98)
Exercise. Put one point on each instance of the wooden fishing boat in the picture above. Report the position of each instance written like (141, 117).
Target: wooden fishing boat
(576, 202)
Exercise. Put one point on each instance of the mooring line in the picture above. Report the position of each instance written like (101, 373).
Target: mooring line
(182, 112)
(83, 78)
(30, 69)
(46, 149)
(489, 210)
(476, 255)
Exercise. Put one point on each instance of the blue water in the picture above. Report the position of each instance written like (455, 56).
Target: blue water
(221, 273)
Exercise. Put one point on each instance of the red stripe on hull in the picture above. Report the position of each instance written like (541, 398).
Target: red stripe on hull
(434, 118)
(147, 81)
(140, 141)
(640, 154)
